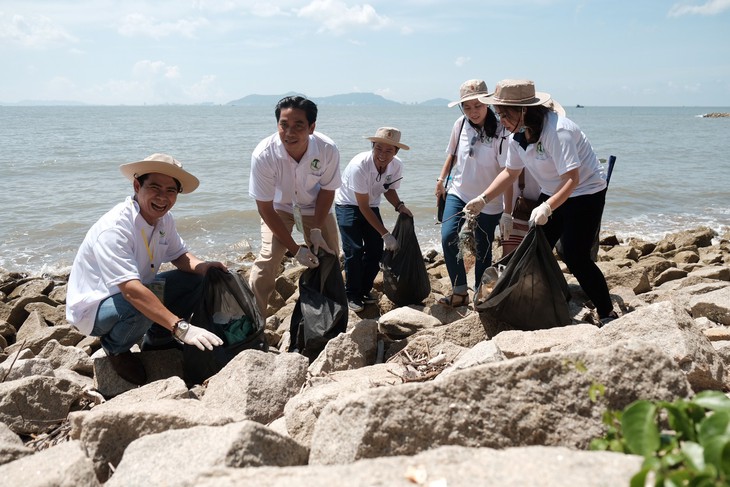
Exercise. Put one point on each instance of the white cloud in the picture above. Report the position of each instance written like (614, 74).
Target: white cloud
(205, 90)
(711, 7)
(461, 61)
(33, 31)
(155, 69)
(336, 16)
(134, 25)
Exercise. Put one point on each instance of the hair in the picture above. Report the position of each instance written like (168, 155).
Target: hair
(534, 118)
(490, 123)
(372, 146)
(309, 107)
(142, 178)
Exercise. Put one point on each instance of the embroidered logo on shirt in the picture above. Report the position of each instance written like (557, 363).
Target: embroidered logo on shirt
(388, 178)
(315, 164)
(540, 149)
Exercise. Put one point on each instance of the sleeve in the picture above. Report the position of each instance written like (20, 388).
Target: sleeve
(262, 181)
(513, 159)
(115, 256)
(455, 134)
(175, 244)
(564, 151)
(331, 178)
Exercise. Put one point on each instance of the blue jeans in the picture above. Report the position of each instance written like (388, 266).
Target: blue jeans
(120, 325)
(484, 236)
(363, 249)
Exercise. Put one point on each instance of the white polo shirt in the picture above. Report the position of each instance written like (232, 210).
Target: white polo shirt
(277, 177)
(114, 252)
(562, 147)
(473, 173)
(361, 176)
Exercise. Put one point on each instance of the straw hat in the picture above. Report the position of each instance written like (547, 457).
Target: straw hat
(388, 135)
(163, 164)
(470, 90)
(520, 93)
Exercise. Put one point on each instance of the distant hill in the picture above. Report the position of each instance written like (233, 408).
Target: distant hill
(43, 103)
(343, 100)
(436, 102)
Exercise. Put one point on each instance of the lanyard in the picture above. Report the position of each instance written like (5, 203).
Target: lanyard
(149, 250)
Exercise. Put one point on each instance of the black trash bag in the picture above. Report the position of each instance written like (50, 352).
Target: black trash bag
(531, 293)
(228, 309)
(405, 280)
(321, 311)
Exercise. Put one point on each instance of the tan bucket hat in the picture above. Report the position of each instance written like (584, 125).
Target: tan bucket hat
(470, 90)
(520, 93)
(163, 164)
(388, 135)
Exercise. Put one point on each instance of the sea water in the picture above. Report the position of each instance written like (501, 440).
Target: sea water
(60, 170)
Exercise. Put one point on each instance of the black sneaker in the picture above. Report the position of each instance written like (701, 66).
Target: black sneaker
(369, 298)
(355, 304)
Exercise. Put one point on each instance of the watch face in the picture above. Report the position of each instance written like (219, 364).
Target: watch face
(183, 325)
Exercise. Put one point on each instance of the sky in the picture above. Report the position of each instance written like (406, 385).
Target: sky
(589, 52)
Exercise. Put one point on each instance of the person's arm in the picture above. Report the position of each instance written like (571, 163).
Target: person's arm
(441, 180)
(145, 301)
(500, 184)
(322, 206)
(276, 225)
(363, 203)
(187, 262)
(392, 196)
(509, 198)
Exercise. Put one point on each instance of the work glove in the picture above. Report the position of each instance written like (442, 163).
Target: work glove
(306, 257)
(476, 205)
(201, 338)
(541, 214)
(390, 242)
(318, 241)
(505, 225)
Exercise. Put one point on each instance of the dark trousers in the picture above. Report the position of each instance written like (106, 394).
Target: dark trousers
(575, 224)
(363, 249)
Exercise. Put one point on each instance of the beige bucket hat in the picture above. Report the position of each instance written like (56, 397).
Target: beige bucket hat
(470, 90)
(388, 135)
(163, 164)
(520, 93)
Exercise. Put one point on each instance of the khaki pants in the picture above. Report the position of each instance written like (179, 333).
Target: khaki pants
(266, 266)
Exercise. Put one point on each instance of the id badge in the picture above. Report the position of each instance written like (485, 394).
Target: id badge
(298, 219)
(158, 288)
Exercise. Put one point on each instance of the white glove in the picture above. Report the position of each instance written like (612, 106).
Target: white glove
(476, 205)
(315, 236)
(390, 242)
(201, 338)
(541, 214)
(306, 257)
(505, 225)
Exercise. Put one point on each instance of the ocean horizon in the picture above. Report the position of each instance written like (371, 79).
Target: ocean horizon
(61, 169)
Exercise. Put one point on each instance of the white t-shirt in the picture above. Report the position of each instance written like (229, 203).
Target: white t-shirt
(361, 176)
(472, 174)
(277, 177)
(562, 147)
(114, 252)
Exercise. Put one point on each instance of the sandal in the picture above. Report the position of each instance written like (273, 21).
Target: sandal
(455, 300)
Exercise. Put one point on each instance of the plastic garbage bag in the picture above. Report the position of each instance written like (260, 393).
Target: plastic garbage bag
(229, 310)
(321, 311)
(405, 280)
(531, 292)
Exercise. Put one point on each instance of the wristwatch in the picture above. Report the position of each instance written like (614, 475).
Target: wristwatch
(180, 329)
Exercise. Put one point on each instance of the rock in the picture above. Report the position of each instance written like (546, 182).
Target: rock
(62, 465)
(405, 321)
(354, 349)
(11, 446)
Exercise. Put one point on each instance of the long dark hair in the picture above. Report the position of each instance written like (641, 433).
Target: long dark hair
(534, 118)
(490, 124)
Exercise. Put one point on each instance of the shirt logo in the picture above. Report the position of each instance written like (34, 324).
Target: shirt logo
(315, 164)
(540, 149)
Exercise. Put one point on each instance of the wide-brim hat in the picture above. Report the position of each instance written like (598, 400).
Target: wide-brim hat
(388, 135)
(470, 90)
(515, 92)
(162, 164)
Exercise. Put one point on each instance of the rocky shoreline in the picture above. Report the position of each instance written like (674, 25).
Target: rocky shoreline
(419, 395)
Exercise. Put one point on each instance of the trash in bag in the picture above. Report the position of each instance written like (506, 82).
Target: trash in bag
(531, 292)
(405, 280)
(228, 309)
(320, 313)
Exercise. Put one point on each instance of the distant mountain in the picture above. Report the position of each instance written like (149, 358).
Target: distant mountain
(44, 103)
(343, 100)
(436, 102)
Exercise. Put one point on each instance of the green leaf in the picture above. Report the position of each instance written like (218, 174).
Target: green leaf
(717, 424)
(717, 453)
(640, 430)
(695, 455)
(712, 400)
(680, 421)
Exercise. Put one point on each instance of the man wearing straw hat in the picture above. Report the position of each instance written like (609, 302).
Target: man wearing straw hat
(367, 177)
(294, 175)
(114, 289)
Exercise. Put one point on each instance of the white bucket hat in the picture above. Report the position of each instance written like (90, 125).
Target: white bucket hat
(163, 164)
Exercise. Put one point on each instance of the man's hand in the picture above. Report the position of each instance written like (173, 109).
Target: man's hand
(390, 242)
(318, 241)
(306, 257)
(505, 225)
(201, 338)
(404, 209)
(541, 214)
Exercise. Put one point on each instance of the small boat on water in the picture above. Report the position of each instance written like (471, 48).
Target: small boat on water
(579, 106)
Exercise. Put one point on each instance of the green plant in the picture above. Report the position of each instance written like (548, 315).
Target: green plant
(684, 443)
